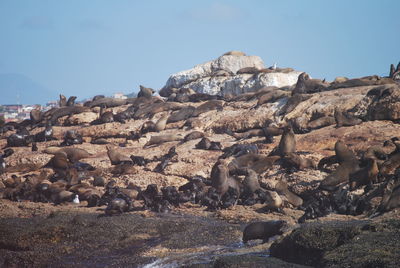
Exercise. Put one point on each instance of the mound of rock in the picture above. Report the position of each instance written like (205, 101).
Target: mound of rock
(231, 73)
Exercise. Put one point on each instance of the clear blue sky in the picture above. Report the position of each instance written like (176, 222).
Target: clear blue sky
(90, 47)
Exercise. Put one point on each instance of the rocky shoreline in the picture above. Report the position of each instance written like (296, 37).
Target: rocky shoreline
(173, 181)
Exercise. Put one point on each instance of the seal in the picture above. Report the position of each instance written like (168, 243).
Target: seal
(145, 92)
(161, 123)
(63, 101)
(206, 144)
(71, 101)
(345, 119)
(271, 96)
(36, 116)
(292, 103)
(208, 106)
(73, 154)
(282, 188)
(117, 157)
(221, 180)
(250, 184)
(234, 53)
(257, 162)
(287, 144)
(248, 70)
(238, 149)
(306, 85)
(58, 161)
(63, 111)
(156, 140)
(364, 176)
(192, 136)
(301, 163)
(321, 122)
(263, 230)
(106, 102)
(258, 132)
(181, 114)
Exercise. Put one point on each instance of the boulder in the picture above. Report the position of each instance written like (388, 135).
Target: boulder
(206, 78)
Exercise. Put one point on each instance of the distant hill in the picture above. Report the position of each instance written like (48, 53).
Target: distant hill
(29, 91)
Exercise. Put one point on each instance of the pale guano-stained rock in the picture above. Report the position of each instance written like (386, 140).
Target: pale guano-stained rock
(206, 78)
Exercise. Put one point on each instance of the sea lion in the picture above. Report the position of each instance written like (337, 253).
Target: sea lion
(257, 162)
(345, 119)
(99, 141)
(45, 135)
(71, 101)
(181, 114)
(161, 123)
(106, 102)
(192, 136)
(344, 154)
(149, 111)
(248, 70)
(250, 184)
(234, 53)
(391, 164)
(292, 103)
(221, 180)
(307, 85)
(282, 188)
(117, 206)
(270, 131)
(263, 230)
(73, 154)
(124, 168)
(208, 106)
(34, 147)
(364, 176)
(220, 73)
(294, 160)
(145, 92)
(257, 132)
(63, 111)
(237, 150)
(321, 122)
(58, 161)
(271, 96)
(36, 116)
(72, 137)
(156, 140)
(117, 157)
(63, 101)
(287, 144)
(206, 144)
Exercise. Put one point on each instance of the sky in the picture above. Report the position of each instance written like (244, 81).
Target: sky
(91, 47)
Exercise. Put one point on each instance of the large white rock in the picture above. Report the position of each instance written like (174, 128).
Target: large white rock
(200, 77)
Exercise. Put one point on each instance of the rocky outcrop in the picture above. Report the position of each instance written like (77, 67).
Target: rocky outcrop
(345, 244)
(229, 74)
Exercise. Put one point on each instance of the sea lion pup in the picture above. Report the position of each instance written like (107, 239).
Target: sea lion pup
(257, 162)
(307, 85)
(145, 92)
(181, 114)
(99, 141)
(117, 157)
(44, 135)
(72, 137)
(292, 103)
(263, 230)
(282, 188)
(71, 101)
(345, 119)
(364, 176)
(271, 96)
(157, 140)
(73, 154)
(63, 101)
(344, 154)
(298, 162)
(221, 180)
(206, 144)
(208, 106)
(192, 136)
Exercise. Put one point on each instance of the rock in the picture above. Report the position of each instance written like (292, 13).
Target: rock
(344, 244)
(203, 79)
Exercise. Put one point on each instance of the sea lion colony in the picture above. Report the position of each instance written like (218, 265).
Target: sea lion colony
(239, 155)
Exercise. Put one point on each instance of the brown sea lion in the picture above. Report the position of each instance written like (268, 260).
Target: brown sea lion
(117, 157)
(36, 115)
(63, 111)
(257, 162)
(364, 176)
(106, 102)
(161, 123)
(71, 101)
(124, 168)
(234, 53)
(250, 183)
(156, 140)
(248, 70)
(221, 180)
(287, 144)
(294, 160)
(145, 92)
(272, 96)
(58, 161)
(282, 188)
(321, 122)
(390, 165)
(258, 132)
(344, 154)
(73, 154)
(208, 106)
(192, 136)
(307, 85)
(345, 119)
(263, 230)
(182, 114)
(292, 103)
(63, 101)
